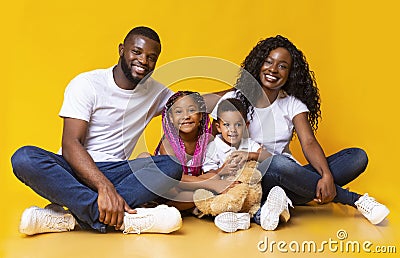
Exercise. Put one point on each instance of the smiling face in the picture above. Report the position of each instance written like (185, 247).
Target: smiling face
(138, 57)
(275, 70)
(231, 126)
(185, 115)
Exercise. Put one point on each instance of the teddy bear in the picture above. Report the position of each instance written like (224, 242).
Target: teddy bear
(244, 197)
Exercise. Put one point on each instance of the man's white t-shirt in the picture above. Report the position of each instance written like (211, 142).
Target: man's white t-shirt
(116, 117)
(272, 126)
(218, 151)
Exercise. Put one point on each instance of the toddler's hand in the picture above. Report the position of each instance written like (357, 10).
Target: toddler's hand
(238, 158)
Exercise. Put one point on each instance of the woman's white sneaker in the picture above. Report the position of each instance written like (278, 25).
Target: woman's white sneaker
(53, 218)
(231, 221)
(161, 219)
(374, 211)
(275, 208)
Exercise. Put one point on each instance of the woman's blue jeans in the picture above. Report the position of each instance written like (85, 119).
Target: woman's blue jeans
(137, 181)
(300, 182)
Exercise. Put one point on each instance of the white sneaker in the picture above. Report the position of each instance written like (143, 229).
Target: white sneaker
(161, 219)
(231, 221)
(374, 211)
(53, 218)
(275, 208)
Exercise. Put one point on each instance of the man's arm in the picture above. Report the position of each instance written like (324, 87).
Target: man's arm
(111, 204)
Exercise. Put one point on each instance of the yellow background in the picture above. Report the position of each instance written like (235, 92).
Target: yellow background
(351, 45)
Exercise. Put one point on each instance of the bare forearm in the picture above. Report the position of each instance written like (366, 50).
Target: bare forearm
(192, 183)
(84, 166)
(316, 157)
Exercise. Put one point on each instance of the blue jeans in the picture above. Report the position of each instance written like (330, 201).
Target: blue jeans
(300, 182)
(137, 181)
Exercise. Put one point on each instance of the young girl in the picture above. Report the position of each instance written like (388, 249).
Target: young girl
(187, 131)
(282, 99)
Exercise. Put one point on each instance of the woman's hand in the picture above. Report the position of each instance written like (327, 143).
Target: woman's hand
(326, 190)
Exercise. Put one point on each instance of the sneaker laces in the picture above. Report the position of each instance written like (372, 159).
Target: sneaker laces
(289, 202)
(138, 224)
(367, 203)
(57, 222)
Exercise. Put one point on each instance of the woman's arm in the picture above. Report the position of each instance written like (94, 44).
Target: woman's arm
(211, 99)
(325, 189)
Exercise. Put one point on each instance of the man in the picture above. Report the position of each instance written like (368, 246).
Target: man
(105, 111)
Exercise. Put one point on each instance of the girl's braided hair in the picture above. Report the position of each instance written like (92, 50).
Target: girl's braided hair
(172, 133)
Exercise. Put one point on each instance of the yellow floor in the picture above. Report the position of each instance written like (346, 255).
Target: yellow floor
(200, 238)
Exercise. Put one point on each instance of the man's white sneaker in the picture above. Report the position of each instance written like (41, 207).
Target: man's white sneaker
(53, 218)
(374, 211)
(231, 221)
(161, 219)
(275, 208)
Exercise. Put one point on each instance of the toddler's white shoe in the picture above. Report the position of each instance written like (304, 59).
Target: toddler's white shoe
(374, 211)
(53, 218)
(231, 221)
(275, 208)
(161, 219)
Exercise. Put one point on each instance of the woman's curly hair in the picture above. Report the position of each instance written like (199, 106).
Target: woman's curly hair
(301, 82)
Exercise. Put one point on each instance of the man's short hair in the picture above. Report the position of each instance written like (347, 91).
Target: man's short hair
(144, 31)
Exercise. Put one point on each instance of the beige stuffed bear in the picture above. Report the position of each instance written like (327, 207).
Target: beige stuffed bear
(244, 197)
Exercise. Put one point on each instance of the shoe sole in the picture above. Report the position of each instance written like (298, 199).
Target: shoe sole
(230, 222)
(273, 208)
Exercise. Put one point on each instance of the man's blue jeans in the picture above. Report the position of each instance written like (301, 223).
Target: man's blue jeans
(300, 182)
(137, 181)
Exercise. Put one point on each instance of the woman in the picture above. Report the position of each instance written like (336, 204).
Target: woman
(282, 99)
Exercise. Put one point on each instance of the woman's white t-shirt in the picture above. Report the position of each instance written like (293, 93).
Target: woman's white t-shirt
(272, 126)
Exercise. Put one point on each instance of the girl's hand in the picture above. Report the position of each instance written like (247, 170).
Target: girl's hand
(223, 186)
(326, 190)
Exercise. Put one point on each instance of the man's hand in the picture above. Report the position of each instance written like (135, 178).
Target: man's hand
(326, 190)
(112, 207)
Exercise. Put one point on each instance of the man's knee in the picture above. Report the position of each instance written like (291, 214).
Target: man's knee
(21, 160)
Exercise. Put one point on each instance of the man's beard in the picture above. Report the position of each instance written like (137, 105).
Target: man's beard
(127, 72)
